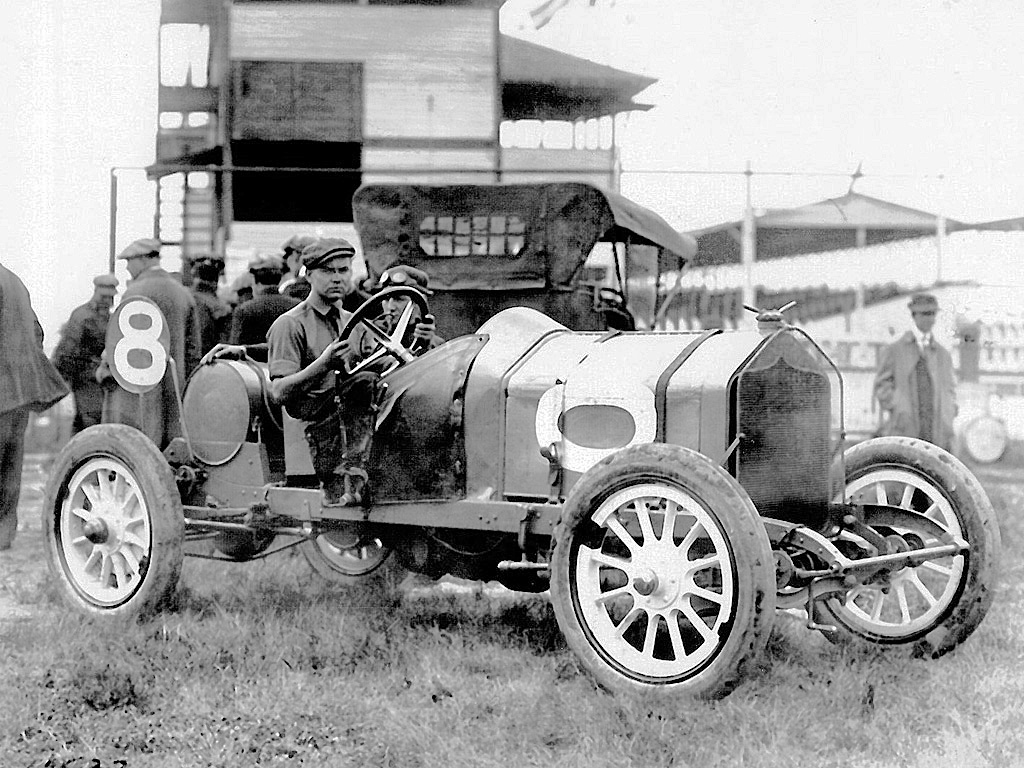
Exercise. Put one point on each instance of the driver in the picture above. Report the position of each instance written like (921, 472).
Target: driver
(421, 333)
(308, 375)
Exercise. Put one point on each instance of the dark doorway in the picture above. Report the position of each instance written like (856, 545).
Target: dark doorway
(295, 195)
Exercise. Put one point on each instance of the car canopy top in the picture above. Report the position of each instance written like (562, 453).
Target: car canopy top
(503, 236)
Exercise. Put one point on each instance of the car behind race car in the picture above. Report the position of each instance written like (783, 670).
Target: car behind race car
(671, 489)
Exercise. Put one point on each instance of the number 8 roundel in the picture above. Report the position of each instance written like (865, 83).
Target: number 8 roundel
(137, 342)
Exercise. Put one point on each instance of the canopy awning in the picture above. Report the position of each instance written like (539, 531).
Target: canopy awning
(504, 236)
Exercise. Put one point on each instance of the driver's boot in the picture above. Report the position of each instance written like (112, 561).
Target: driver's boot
(354, 481)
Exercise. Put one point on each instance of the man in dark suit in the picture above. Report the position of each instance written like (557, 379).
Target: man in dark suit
(914, 385)
(28, 382)
(155, 412)
(80, 350)
(214, 312)
(252, 320)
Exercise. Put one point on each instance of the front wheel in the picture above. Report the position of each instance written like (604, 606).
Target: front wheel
(934, 606)
(662, 577)
(113, 523)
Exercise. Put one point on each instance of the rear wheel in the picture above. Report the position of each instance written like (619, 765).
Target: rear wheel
(354, 556)
(935, 606)
(662, 577)
(113, 523)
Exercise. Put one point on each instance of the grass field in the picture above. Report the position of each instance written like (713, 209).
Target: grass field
(263, 664)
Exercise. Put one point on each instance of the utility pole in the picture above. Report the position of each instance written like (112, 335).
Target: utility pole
(748, 244)
(940, 242)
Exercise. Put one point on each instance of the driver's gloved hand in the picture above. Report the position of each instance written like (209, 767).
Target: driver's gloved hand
(423, 334)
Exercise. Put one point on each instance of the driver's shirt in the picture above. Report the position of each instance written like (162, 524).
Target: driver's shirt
(295, 340)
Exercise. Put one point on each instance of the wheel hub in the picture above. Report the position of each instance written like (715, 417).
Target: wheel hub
(645, 582)
(96, 531)
(660, 581)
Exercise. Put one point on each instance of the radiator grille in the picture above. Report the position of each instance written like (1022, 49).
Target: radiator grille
(783, 461)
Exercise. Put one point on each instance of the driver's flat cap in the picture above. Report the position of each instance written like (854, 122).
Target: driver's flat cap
(323, 250)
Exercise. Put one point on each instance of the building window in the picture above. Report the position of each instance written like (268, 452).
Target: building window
(595, 133)
(184, 55)
(453, 236)
(171, 120)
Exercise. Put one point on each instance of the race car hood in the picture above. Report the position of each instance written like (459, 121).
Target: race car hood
(536, 384)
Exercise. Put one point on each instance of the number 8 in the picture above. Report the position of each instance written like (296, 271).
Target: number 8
(143, 339)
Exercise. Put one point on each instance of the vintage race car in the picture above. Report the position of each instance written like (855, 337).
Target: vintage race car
(671, 490)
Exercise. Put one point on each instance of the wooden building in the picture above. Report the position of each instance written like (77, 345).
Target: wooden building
(276, 111)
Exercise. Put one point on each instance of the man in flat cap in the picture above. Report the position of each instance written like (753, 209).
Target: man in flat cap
(308, 373)
(295, 284)
(252, 320)
(80, 351)
(214, 313)
(155, 412)
(914, 384)
(28, 382)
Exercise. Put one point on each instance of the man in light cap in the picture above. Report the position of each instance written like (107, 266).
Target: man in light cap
(80, 351)
(914, 385)
(308, 373)
(293, 283)
(252, 320)
(155, 412)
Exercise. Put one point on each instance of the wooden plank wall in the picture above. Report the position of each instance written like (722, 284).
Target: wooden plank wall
(429, 72)
(595, 166)
(446, 160)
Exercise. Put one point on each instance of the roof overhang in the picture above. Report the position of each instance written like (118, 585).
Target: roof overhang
(544, 84)
(849, 211)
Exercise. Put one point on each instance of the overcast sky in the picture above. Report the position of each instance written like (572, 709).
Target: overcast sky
(912, 89)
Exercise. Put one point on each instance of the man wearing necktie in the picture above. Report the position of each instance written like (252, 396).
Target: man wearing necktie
(308, 374)
(914, 384)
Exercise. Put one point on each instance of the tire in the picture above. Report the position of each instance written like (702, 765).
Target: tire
(692, 629)
(112, 484)
(923, 477)
(351, 557)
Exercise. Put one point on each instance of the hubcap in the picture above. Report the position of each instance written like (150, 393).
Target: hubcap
(95, 530)
(646, 582)
(657, 593)
(351, 552)
(914, 598)
(104, 532)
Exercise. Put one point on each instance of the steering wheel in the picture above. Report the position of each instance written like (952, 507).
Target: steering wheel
(388, 345)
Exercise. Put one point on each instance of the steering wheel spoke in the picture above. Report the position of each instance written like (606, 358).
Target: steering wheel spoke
(389, 344)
